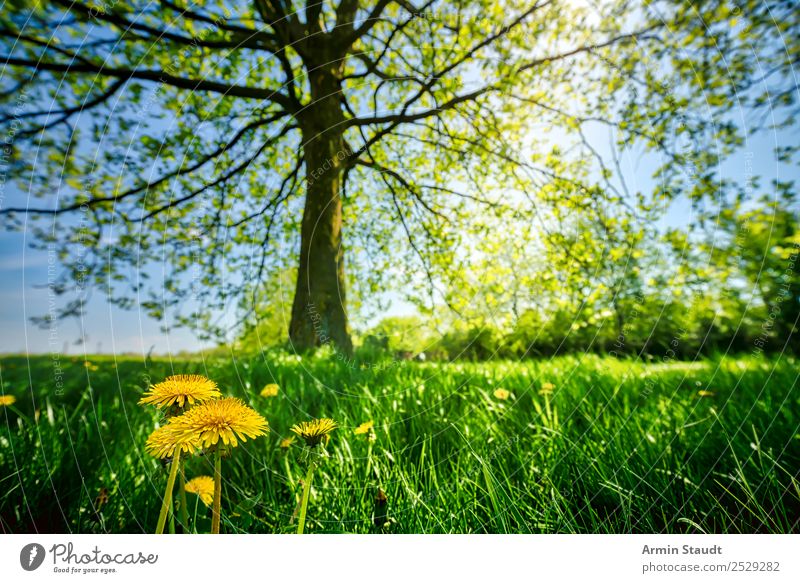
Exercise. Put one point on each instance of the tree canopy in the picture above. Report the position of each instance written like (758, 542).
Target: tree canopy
(185, 153)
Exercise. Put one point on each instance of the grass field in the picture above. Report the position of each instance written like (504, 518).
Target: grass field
(619, 446)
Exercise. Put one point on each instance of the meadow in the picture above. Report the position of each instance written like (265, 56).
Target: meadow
(569, 445)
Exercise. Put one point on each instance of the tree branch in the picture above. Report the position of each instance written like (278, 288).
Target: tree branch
(405, 117)
(169, 176)
(156, 76)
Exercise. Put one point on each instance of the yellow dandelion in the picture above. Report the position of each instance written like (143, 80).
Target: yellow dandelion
(163, 441)
(502, 394)
(270, 390)
(7, 400)
(547, 388)
(286, 442)
(203, 486)
(229, 420)
(706, 393)
(180, 390)
(315, 431)
(364, 428)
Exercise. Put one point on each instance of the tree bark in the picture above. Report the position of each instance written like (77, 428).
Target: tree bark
(319, 311)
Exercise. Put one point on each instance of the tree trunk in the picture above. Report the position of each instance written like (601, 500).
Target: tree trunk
(319, 311)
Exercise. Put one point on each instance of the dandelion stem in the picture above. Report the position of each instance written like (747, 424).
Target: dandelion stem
(215, 512)
(304, 502)
(288, 469)
(194, 516)
(369, 461)
(184, 508)
(20, 414)
(167, 501)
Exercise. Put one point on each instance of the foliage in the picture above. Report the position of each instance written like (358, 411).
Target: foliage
(732, 287)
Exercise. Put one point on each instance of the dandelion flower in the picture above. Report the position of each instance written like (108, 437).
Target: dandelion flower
(315, 431)
(364, 428)
(203, 486)
(502, 394)
(163, 441)
(229, 420)
(547, 388)
(7, 400)
(270, 390)
(180, 390)
(286, 442)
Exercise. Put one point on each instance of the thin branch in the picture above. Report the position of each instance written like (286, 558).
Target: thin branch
(222, 179)
(155, 183)
(407, 185)
(405, 117)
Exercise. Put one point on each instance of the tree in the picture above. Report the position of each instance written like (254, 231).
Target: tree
(227, 140)
(758, 250)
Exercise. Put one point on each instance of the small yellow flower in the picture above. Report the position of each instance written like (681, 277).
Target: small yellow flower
(364, 428)
(706, 393)
(87, 364)
(270, 390)
(229, 420)
(203, 486)
(180, 390)
(7, 400)
(547, 388)
(502, 394)
(163, 441)
(315, 431)
(286, 442)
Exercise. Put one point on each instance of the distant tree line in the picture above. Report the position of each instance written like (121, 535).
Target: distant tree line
(733, 288)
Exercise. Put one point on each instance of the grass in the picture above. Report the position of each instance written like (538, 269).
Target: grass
(619, 446)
